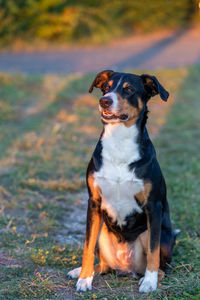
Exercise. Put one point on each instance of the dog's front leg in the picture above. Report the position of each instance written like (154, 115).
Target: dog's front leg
(94, 218)
(149, 282)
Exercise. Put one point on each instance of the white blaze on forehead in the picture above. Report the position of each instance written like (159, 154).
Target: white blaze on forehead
(113, 96)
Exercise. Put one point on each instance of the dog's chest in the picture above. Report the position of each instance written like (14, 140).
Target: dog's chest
(117, 183)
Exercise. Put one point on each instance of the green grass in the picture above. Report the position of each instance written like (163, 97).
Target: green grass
(48, 128)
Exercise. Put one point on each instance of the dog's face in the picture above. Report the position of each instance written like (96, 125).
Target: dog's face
(125, 95)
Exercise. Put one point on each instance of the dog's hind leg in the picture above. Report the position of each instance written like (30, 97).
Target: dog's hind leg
(75, 273)
(114, 254)
(102, 267)
(108, 248)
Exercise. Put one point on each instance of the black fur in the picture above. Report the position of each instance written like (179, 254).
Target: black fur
(136, 224)
(156, 210)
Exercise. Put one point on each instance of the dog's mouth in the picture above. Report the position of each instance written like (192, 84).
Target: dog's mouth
(109, 116)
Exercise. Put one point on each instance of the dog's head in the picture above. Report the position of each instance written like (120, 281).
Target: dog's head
(125, 95)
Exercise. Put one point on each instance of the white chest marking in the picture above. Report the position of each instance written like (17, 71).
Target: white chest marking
(118, 185)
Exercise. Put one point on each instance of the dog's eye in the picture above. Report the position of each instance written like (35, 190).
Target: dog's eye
(129, 90)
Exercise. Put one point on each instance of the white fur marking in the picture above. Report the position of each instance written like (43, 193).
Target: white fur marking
(135, 276)
(84, 284)
(75, 273)
(149, 282)
(177, 231)
(118, 184)
(114, 98)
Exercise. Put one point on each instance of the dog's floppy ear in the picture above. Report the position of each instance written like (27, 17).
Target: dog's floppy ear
(153, 87)
(100, 79)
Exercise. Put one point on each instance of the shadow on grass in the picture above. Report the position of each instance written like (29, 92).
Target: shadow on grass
(23, 123)
(137, 60)
(32, 218)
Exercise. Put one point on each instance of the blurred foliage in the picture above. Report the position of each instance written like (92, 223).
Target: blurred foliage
(90, 20)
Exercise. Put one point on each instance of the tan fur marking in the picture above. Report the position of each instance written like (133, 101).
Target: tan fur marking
(149, 81)
(143, 237)
(140, 104)
(89, 248)
(110, 83)
(153, 258)
(143, 195)
(114, 254)
(103, 78)
(95, 190)
(126, 108)
(100, 79)
(161, 274)
(140, 258)
(126, 84)
(101, 268)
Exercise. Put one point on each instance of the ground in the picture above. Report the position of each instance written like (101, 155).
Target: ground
(48, 129)
(151, 51)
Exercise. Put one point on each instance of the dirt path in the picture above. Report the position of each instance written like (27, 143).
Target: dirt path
(152, 51)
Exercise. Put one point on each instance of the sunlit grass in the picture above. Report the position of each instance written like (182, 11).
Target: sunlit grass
(48, 129)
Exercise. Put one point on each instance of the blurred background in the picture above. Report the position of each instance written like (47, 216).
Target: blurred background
(50, 52)
(90, 21)
(62, 36)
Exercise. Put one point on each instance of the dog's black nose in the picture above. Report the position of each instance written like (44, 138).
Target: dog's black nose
(105, 102)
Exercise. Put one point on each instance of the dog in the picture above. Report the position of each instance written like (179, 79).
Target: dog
(128, 214)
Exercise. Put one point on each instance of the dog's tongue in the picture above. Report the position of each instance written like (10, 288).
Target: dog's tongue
(107, 112)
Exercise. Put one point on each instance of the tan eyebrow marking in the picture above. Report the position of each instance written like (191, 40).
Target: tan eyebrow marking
(126, 84)
(110, 82)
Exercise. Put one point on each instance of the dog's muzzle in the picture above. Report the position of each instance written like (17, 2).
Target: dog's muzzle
(105, 102)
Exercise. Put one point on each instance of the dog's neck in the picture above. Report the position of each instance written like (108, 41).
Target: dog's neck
(141, 124)
(120, 145)
(123, 144)
(119, 129)
(138, 130)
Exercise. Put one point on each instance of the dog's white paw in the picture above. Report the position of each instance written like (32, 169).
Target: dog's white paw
(84, 284)
(75, 273)
(148, 283)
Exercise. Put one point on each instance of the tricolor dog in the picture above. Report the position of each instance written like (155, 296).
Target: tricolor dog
(128, 215)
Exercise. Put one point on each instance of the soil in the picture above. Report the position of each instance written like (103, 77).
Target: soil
(168, 49)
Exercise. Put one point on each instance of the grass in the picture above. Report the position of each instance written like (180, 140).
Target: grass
(48, 128)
